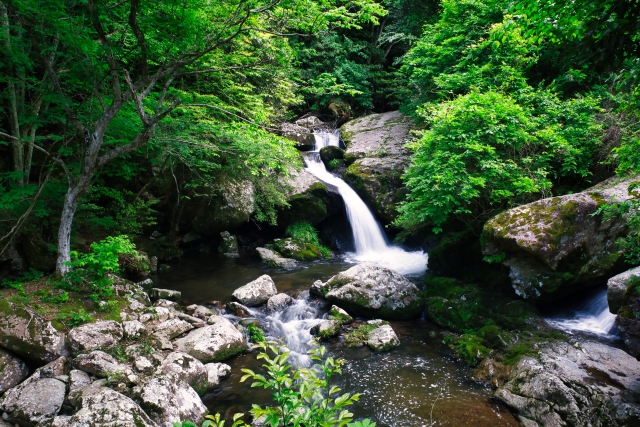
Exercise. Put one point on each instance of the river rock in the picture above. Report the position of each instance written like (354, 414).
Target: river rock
(166, 294)
(232, 206)
(97, 363)
(188, 368)
(327, 329)
(191, 237)
(383, 338)
(257, 292)
(336, 313)
(236, 309)
(105, 335)
(377, 158)
(279, 302)
(213, 343)
(370, 290)
(617, 286)
(12, 371)
(169, 400)
(229, 243)
(309, 200)
(102, 406)
(329, 153)
(295, 249)
(134, 329)
(555, 246)
(272, 259)
(627, 320)
(587, 385)
(78, 379)
(34, 402)
(28, 334)
(172, 328)
(216, 372)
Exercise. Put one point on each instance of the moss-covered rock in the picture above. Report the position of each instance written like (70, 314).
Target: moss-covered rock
(329, 153)
(327, 329)
(557, 246)
(230, 208)
(309, 200)
(290, 248)
(376, 159)
(628, 319)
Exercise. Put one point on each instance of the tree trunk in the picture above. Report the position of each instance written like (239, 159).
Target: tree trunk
(71, 199)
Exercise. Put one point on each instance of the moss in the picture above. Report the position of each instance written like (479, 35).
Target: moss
(469, 348)
(358, 336)
(515, 353)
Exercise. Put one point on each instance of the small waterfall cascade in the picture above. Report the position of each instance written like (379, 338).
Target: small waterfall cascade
(370, 241)
(592, 317)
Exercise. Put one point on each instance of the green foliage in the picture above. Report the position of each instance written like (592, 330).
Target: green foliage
(358, 336)
(630, 211)
(255, 333)
(305, 233)
(74, 318)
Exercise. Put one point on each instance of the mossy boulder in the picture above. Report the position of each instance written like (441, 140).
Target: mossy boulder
(309, 200)
(617, 287)
(557, 246)
(232, 206)
(329, 153)
(628, 319)
(327, 329)
(291, 248)
(376, 157)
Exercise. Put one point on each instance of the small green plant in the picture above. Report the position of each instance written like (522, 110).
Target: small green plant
(256, 334)
(358, 336)
(74, 319)
(363, 423)
(630, 211)
(335, 163)
(304, 232)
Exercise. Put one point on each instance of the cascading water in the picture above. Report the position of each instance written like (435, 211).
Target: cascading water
(370, 242)
(592, 317)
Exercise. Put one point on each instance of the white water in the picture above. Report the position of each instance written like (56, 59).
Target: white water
(593, 317)
(370, 241)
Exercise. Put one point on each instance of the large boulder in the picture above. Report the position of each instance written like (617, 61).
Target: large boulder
(556, 246)
(377, 156)
(97, 363)
(617, 287)
(291, 248)
(279, 302)
(232, 206)
(188, 368)
(257, 292)
(383, 338)
(28, 334)
(584, 385)
(326, 329)
(216, 372)
(12, 371)
(627, 320)
(272, 259)
(213, 343)
(371, 290)
(100, 406)
(309, 200)
(169, 400)
(104, 335)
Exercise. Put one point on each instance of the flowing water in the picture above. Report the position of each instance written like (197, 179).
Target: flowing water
(590, 316)
(369, 239)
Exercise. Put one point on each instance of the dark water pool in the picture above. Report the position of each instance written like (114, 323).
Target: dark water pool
(398, 387)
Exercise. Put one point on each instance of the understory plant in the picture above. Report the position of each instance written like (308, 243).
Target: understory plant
(630, 211)
(304, 232)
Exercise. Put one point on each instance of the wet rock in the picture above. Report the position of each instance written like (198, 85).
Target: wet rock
(555, 246)
(146, 284)
(229, 243)
(590, 385)
(329, 153)
(272, 259)
(203, 313)
(34, 402)
(236, 309)
(213, 343)
(97, 363)
(492, 372)
(383, 338)
(78, 379)
(249, 321)
(105, 334)
(327, 329)
(29, 335)
(627, 320)
(279, 302)
(294, 249)
(191, 237)
(172, 328)
(316, 289)
(377, 158)
(309, 200)
(169, 400)
(187, 368)
(134, 329)
(166, 294)
(12, 371)
(102, 406)
(216, 372)
(336, 313)
(257, 292)
(617, 287)
(374, 291)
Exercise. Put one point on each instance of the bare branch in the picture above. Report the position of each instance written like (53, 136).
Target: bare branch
(137, 101)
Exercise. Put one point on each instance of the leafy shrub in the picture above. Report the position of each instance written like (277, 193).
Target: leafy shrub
(630, 210)
(75, 318)
(255, 333)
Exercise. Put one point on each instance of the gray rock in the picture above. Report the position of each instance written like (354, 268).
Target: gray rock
(371, 290)
(105, 334)
(279, 302)
(617, 286)
(236, 309)
(272, 259)
(191, 237)
(229, 243)
(34, 402)
(213, 343)
(100, 406)
(316, 289)
(172, 328)
(187, 368)
(12, 371)
(201, 312)
(232, 206)
(555, 246)
(97, 363)
(78, 379)
(378, 157)
(383, 338)
(134, 329)
(146, 284)
(257, 292)
(216, 372)
(163, 313)
(170, 400)
(336, 313)
(167, 294)
(593, 385)
(143, 365)
(29, 335)
(326, 329)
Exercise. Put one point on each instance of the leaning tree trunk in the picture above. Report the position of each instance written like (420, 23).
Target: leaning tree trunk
(71, 199)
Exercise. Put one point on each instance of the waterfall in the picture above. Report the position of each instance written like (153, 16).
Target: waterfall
(370, 241)
(593, 317)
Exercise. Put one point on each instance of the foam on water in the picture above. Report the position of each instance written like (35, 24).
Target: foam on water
(593, 317)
